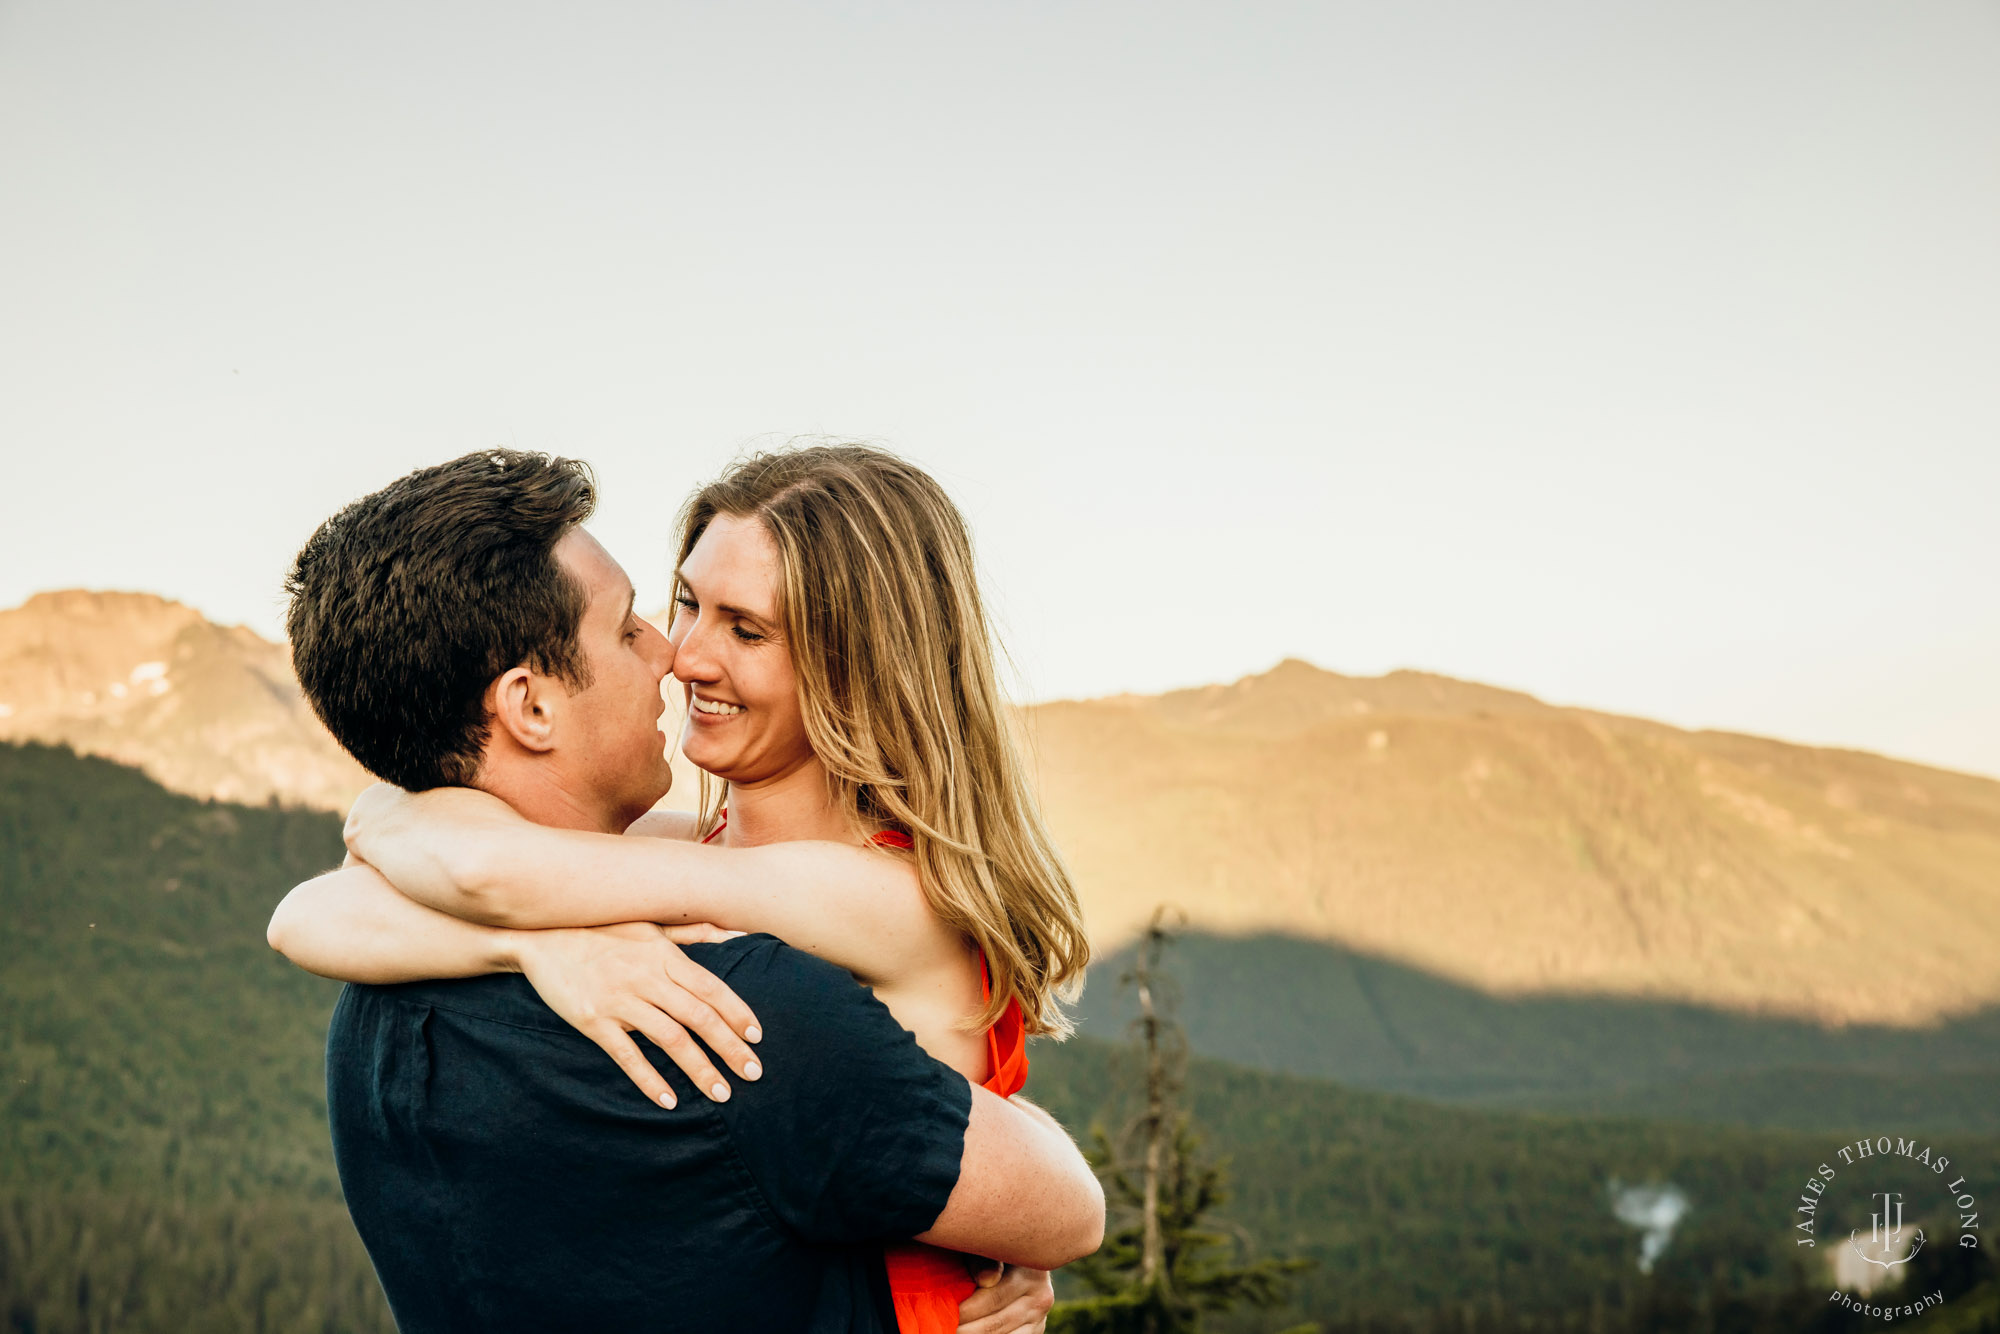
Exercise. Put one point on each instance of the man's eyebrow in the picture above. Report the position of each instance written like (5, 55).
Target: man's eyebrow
(631, 601)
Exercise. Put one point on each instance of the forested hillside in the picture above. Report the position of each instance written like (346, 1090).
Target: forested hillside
(1313, 1008)
(163, 1154)
(164, 1164)
(1457, 1219)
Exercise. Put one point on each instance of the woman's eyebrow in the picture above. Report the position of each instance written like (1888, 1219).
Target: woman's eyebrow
(729, 608)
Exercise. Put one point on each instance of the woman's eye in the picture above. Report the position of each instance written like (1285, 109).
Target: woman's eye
(686, 603)
(747, 636)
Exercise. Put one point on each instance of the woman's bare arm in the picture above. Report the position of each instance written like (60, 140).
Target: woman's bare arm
(468, 854)
(352, 925)
(665, 824)
(607, 982)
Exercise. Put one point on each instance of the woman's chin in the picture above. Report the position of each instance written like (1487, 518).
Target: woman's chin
(713, 759)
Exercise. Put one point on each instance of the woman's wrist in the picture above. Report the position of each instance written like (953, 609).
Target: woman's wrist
(512, 951)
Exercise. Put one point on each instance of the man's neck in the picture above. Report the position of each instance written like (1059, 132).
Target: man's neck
(537, 793)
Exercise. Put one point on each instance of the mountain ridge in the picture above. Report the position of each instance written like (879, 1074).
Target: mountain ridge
(1521, 847)
(1477, 833)
(207, 709)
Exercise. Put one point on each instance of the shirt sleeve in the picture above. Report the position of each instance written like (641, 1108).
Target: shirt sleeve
(854, 1133)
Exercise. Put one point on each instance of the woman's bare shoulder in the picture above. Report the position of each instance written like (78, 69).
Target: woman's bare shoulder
(679, 825)
(870, 898)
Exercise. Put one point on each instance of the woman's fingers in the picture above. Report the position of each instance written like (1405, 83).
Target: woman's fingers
(608, 982)
(1019, 1301)
(673, 1039)
(670, 1037)
(698, 933)
(626, 1053)
(691, 977)
(1023, 1316)
(703, 1019)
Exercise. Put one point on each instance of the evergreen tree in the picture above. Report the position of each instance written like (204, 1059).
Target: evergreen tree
(1167, 1265)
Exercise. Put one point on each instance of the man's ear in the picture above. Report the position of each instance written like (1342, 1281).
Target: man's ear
(523, 704)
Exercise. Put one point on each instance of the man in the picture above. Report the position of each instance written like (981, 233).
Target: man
(460, 627)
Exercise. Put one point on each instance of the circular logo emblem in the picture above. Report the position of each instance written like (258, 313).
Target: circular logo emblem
(1871, 1209)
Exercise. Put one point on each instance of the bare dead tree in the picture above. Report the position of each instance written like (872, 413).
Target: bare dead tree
(1155, 1122)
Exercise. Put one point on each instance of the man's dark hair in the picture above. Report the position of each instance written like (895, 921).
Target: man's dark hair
(406, 605)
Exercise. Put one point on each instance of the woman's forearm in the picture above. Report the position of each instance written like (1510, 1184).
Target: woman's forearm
(465, 853)
(529, 877)
(352, 925)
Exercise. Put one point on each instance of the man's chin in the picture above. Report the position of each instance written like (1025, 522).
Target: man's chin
(646, 789)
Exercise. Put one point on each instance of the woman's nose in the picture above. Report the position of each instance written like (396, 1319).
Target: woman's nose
(690, 657)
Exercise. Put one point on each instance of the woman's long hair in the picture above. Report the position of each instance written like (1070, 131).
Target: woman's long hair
(901, 705)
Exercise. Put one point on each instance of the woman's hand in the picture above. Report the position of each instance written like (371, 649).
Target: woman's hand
(1011, 1299)
(612, 981)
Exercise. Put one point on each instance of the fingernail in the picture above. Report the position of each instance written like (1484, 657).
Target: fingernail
(667, 1101)
(752, 1070)
(719, 1092)
(754, 1033)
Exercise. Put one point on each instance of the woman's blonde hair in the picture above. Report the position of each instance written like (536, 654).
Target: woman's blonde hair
(901, 703)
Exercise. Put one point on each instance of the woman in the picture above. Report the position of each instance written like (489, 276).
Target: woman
(838, 675)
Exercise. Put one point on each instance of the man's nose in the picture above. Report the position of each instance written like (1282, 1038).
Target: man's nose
(663, 658)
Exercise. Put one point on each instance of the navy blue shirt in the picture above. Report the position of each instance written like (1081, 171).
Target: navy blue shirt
(507, 1176)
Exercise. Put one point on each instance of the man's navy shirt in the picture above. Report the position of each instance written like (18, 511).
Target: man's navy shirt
(507, 1176)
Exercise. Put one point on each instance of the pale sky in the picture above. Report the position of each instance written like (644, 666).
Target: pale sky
(1639, 356)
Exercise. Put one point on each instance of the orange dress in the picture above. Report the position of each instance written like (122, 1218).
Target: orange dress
(927, 1283)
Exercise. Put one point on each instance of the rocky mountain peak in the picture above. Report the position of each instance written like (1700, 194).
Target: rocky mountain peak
(209, 709)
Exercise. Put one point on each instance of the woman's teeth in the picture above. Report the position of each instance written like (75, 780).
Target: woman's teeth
(715, 706)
